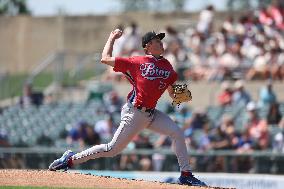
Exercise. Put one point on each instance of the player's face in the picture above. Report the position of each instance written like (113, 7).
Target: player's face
(155, 47)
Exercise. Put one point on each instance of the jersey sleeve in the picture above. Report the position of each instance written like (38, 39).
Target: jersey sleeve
(122, 64)
(174, 75)
(173, 78)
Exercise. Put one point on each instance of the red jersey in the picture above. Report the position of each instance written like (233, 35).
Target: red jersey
(149, 76)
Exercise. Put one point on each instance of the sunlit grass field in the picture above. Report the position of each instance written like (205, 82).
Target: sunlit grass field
(12, 85)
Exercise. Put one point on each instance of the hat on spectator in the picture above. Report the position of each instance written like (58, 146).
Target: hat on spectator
(239, 84)
(251, 106)
(151, 35)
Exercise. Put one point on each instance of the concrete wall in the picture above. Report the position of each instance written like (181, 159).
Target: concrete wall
(25, 40)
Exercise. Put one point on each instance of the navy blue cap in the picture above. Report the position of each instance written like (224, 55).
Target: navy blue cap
(151, 35)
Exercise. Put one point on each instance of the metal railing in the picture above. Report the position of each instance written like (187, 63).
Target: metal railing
(261, 159)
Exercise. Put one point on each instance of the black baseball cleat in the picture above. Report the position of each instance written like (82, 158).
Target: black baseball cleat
(190, 181)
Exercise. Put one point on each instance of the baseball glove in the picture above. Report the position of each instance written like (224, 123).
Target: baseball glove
(181, 94)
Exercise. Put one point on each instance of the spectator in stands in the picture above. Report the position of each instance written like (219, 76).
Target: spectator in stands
(193, 39)
(197, 60)
(198, 120)
(243, 144)
(257, 128)
(106, 128)
(174, 48)
(4, 142)
(265, 17)
(227, 124)
(6, 160)
(268, 62)
(172, 35)
(274, 115)
(230, 60)
(278, 140)
(240, 96)
(275, 11)
(128, 162)
(228, 24)
(142, 141)
(30, 97)
(225, 134)
(266, 95)
(205, 23)
(181, 114)
(204, 143)
(113, 102)
(132, 37)
(142, 162)
(50, 99)
(215, 71)
(176, 54)
(158, 158)
(220, 140)
(276, 60)
(84, 134)
(260, 68)
(225, 97)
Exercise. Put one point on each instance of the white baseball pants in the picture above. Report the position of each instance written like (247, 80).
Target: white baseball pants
(132, 122)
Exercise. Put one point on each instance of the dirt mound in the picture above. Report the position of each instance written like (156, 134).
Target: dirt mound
(75, 180)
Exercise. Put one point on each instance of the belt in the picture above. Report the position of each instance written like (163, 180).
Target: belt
(144, 109)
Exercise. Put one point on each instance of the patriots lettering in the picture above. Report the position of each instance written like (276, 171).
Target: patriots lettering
(152, 72)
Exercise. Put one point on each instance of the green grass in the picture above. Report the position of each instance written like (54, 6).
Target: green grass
(12, 85)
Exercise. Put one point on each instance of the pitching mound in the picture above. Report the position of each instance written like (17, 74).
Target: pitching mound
(73, 180)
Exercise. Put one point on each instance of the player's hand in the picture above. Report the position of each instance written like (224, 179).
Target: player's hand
(115, 34)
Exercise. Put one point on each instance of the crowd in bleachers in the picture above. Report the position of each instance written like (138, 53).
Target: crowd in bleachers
(237, 123)
(249, 48)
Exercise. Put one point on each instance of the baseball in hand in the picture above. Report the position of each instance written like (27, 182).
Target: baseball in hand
(117, 33)
(117, 30)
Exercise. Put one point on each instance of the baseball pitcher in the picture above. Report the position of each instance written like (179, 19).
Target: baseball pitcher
(150, 75)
